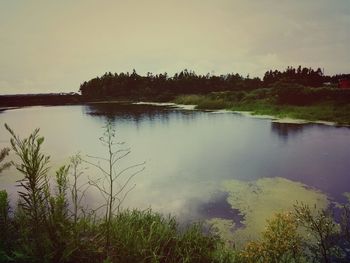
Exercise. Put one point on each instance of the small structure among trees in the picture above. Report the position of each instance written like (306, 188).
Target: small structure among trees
(344, 83)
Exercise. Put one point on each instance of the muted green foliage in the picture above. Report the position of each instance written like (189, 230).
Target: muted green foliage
(144, 236)
(33, 191)
(3, 153)
(296, 102)
(280, 243)
(324, 231)
(304, 235)
(294, 94)
(44, 229)
(112, 174)
(162, 86)
(5, 225)
(203, 102)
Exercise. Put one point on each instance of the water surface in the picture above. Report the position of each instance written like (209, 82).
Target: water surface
(190, 154)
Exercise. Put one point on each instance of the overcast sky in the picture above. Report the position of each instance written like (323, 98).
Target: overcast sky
(53, 46)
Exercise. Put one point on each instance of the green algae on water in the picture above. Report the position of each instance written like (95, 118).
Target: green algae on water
(259, 200)
(224, 228)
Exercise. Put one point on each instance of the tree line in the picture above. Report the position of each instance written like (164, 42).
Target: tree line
(165, 87)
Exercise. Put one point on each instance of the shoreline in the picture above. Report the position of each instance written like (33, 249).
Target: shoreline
(247, 113)
(288, 120)
(326, 112)
(251, 114)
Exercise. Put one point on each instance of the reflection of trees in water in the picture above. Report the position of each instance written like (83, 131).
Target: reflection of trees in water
(285, 130)
(134, 112)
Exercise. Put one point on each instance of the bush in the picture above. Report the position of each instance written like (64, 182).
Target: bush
(280, 242)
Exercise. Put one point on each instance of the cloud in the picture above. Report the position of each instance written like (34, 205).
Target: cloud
(55, 46)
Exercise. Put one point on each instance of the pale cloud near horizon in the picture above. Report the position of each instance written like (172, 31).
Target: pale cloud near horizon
(53, 46)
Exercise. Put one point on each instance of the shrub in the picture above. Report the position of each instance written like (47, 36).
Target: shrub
(321, 226)
(280, 242)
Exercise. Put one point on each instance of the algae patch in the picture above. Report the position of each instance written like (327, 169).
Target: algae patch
(259, 200)
(224, 228)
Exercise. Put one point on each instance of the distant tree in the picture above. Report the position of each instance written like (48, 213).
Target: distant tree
(134, 86)
(302, 76)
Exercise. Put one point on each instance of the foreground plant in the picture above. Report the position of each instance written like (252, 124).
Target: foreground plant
(3, 153)
(280, 242)
(323, 229)
(5, 225)
(42, 217)
(112, 176)
(47, 226)
(33, 188)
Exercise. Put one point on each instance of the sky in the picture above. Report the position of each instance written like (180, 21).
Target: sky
(54, 46)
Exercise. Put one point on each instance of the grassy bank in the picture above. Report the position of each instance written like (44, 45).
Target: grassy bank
(265, 102)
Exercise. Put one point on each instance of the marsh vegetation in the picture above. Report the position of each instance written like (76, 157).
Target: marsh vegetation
(296, 102)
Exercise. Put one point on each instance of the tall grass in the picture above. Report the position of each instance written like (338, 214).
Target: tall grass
(44, 229)
(3, 153)
(145, 236)
(203, 101)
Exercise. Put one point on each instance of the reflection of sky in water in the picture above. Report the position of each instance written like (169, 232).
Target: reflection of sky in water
(189, 153)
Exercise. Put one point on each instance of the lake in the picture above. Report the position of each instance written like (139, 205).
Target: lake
(231, 170)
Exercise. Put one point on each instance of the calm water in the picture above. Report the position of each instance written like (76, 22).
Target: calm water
(188, 154)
